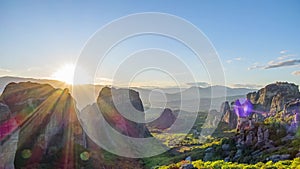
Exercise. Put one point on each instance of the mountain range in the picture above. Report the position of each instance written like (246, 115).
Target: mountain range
(151, 97)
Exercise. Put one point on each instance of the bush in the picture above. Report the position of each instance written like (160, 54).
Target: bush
(220, 164)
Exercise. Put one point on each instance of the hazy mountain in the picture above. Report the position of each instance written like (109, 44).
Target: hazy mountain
(191, 97)
(170, 97)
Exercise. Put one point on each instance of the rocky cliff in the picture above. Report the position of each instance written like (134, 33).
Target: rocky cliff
(118, 106)
(229, 116)
(268, 131)
(274, 96)
(46, 122)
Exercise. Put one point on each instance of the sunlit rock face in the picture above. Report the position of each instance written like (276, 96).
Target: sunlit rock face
(117, 104)
(273, 97)
(47, 124)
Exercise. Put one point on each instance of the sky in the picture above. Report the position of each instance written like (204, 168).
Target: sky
(258, 42)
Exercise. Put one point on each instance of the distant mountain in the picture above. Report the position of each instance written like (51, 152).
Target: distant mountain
(191, 97)
(155, 97)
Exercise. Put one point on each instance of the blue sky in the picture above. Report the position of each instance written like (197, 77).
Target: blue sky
(257, 41)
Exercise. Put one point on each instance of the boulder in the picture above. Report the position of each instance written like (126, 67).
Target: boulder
(249, 138)
(277, 157)
(225, 147)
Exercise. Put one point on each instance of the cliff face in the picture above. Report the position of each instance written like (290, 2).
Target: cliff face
(116, 104)
(46, 123)
(229, 116)
(274, 96)
(39, 128)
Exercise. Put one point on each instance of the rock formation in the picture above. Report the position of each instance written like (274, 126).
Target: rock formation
(43, 130)
(46, 123)
(166, 119)
(118, 106)
(229, 116)
(4, 112)
(273, 97)
(9, 135)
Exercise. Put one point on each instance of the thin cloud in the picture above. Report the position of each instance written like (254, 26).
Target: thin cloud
(296, 73)
(4, 70)
(281, 61)
(255, 67)
(201, 84)
(286, 63)
(249, 86)
(282, 57)
(283, 51)
(104, 79)
(229, 61)
(234, 59)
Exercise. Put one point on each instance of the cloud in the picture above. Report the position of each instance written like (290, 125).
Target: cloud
(283, 51)
(229, 61)
(250, 86)
(104, 79)
(256, 67)
(282, 57)
(200, 84)
(276, 64)
(281, 61)
(296, 73)
(4, 70)
(286, 63)
(234, 59)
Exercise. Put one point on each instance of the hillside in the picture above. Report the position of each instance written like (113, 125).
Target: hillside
(265, 132)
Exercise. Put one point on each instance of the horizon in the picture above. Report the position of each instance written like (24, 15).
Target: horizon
(149, 87)
(254, 48)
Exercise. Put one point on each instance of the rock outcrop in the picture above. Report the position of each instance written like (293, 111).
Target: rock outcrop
(4, 112)
(273, 97)
(9, 137)
(118, 106)
(42, 129)
(166, 119)
(292, 107)
(46, 123)
(229, 116)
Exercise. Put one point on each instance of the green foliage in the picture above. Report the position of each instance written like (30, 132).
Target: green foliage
(220, 164)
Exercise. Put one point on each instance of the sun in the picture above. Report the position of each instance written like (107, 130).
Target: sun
(65, 74)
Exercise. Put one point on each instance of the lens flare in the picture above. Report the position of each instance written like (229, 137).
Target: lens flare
(243, 107)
